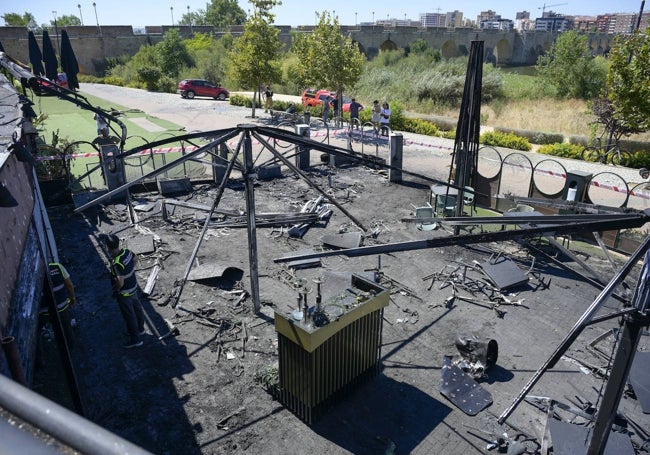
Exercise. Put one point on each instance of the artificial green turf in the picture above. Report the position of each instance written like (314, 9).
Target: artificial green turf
(73, 123)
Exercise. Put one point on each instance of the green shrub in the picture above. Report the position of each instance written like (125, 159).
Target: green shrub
(419, 126)
(113, 80)
(451, 134)
(241, 100)
(582, 141)
(562, 150)
(284, 105)
(535, 137)
(640, 159)
(167, 85)
(150, 76)
(88, 79)
(508, 140)
(547, 138)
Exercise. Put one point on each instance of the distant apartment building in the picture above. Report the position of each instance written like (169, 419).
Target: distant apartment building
(488, 15)
(611, 23)
(433, 20)
(497, 24)
(552, 22)
(549, 22)
(585, 23)
(523, 21)
(454, 19)
(622, 23)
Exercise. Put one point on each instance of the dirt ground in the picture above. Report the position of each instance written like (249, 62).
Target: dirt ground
(203, 390)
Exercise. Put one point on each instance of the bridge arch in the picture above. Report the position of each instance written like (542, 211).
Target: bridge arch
(449, 49)
(388, 45)
(503, 52)
(360, 47)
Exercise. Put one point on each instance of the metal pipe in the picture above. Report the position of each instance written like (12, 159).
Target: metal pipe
(197, 246)
(249, 184)
(578, 327)
(10, 349)
(61, 423)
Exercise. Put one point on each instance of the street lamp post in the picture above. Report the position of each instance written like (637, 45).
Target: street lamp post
(355, 19)
(315, 17)
(99, 29)
(171, 8)
(373, 18)
(189, 18)
(56, 33)
(80, 15)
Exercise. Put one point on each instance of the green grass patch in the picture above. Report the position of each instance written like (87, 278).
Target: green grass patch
(72, 123)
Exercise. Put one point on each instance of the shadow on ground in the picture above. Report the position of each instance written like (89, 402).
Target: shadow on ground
(381, 415)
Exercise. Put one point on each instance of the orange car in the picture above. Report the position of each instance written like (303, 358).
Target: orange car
(312, 97)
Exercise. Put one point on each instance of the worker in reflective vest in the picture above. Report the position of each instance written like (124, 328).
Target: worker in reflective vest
(62, 286)
(125, 289)
(64, 297)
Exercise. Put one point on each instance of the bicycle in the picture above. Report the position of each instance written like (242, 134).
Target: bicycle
(607, 154)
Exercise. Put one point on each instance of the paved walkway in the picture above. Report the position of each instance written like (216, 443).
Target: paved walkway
(204, 114)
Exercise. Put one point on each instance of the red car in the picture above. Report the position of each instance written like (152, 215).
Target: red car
(311, 97)
(189, 88)
(61, 81)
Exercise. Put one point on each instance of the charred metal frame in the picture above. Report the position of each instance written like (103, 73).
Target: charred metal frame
(467, 137)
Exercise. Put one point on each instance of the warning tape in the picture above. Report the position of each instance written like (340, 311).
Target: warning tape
(342, 132)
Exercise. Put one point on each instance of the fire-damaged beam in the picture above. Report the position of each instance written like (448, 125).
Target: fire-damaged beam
(581, 207)
(524, 219)
(359, 158)
(228, 134)
(624, 222)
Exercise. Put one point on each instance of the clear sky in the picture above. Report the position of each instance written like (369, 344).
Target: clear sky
(295, 12)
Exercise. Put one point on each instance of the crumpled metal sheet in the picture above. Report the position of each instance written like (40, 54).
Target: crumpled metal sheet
(462, 390)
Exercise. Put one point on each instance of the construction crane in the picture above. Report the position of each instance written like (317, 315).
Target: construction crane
(544, 6)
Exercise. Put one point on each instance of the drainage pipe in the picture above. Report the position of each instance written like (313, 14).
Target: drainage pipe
(10, 349)
(61, 423)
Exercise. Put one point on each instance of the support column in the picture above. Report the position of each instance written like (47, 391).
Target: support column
(396, 143)
(113, 167)
(302, 157)
(219, 166)
(249, 177)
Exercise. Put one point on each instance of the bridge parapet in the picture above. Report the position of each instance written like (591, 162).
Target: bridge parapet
(95, 45)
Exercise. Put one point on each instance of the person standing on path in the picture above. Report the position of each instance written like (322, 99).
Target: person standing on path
(125, 289)
(354, 113)
(326, 108)
(385, 119)
(376, 114)
(268, 99)
(101, 123)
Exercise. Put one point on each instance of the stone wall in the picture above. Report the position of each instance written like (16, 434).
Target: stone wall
(21, 267)
(94, 46)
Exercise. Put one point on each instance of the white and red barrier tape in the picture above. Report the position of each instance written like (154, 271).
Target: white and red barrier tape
(160, 151)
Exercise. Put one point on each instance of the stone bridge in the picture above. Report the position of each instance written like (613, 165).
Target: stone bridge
(95, 46)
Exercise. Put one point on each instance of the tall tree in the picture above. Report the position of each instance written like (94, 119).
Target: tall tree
(328, 59)
(570, 70)
(64, 21)
(222, 13)
(628, 81)
(16, 20)
(172, 53)
(254, 57)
